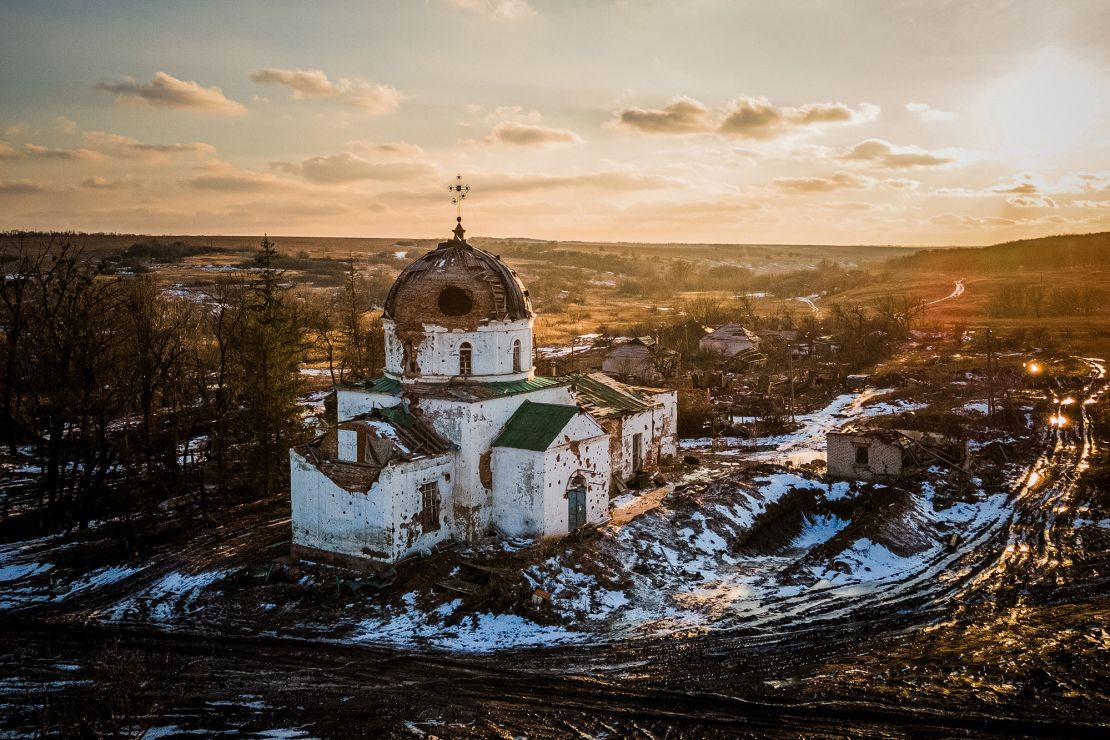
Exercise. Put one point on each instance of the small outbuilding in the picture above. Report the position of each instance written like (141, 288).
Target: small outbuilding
(874, 454)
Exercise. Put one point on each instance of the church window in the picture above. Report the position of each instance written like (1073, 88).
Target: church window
(410, 357)
(516, 356)
(429, 506)
(465, 357)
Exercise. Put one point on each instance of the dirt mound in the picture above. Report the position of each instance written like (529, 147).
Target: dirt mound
(780, 523)
(890, 517)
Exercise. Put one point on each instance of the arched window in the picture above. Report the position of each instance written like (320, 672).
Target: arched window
(465, 355)
(516, 355)
(410, 358)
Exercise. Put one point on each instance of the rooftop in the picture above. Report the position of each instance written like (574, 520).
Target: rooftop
(535, 426)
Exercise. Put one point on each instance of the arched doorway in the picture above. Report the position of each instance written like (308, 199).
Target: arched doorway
(576, 503)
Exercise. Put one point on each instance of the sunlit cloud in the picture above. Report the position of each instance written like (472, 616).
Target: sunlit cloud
(26, 187)
(37, 151)
(618, 181)
(167, 91)
(884, 154)
(929, 113)
(348, 167)
(836, 181)
(747, 118)
(96, 182)
(126, 147)
(508, 10)
(312, 83)
(523, 134)
(951, 219)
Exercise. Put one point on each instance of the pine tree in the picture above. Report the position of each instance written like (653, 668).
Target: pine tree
(271, 347)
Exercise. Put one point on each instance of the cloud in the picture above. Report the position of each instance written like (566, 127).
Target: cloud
(613, 180)
(834, 182)
(951, 219)
(167, 91)
(65, 125)
(25, 187)
(221, 176)
(929, 113)
(522, 134)
(679, 116)
(312, 83)
(348, 167)
(756, 119)
(1026, 201)
(36, 151)
(508, 10)
(884, 154)
(128, 147)
(102, 183)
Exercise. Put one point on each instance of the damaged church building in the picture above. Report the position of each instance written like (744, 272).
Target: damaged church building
(459, 438)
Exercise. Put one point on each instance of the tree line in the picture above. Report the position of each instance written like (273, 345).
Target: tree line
(124, 396)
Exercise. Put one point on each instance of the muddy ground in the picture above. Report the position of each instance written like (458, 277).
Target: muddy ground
(780, 624)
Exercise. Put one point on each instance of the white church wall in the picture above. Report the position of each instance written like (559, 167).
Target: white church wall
(328, 517)
(382, 523)
(518, 480)
(437, 356)
(351, 402)
(474, 427)
(588, 458)
(401, 483)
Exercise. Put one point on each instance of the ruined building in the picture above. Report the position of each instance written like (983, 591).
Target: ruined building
(459, 438)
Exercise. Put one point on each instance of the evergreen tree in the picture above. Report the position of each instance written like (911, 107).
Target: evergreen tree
(271, 348)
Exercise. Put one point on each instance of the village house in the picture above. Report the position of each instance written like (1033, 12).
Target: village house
(459, 438)
(639, 360)
(874, 454)
(729, 340)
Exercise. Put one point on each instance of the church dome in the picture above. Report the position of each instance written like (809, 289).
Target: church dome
(457, 286)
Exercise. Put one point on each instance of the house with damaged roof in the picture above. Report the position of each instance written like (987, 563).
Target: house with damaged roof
(459, 438)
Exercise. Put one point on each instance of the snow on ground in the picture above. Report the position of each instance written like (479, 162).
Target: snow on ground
(481, 632)
(167, 600)
(975, 407)
(807, 443)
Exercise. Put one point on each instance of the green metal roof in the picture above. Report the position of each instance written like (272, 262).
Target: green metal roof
(382, 384)
(463, 390)
(535, 426)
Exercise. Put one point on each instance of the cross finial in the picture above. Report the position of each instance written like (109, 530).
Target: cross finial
(459, 190)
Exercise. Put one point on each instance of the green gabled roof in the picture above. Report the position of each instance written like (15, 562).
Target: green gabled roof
(535, 426)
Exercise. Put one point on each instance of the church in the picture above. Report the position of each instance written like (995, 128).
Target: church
(459, 439)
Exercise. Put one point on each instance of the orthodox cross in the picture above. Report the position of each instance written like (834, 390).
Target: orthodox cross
(459, 191)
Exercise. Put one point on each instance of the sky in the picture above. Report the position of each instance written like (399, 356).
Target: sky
(886, 122)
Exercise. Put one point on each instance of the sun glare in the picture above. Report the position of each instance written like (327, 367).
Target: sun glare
(1045, 107)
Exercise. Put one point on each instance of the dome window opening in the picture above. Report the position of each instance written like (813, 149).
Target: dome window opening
(410, 358)
(465, 356)
(454, 301)
(516, 355)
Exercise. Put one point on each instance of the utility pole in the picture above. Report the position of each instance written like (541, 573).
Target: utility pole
(790, 363)
(990, 373)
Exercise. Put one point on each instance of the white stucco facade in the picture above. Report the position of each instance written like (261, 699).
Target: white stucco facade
(499, 351)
